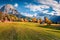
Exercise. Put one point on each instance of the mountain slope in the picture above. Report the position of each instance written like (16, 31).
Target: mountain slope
(55, 18)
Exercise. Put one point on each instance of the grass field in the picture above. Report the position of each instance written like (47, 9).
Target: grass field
(27, 31)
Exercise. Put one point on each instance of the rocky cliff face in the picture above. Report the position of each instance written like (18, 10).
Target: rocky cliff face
(9, 9)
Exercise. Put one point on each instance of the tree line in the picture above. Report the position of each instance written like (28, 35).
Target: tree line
(13, 18)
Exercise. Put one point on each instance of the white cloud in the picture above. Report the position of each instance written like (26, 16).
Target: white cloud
(35, 14)
(52, 3)
(16, 5)
(46, 11)
(39, 8)
(51, 13)
(36, 7)
(26, 14)
(46, 5)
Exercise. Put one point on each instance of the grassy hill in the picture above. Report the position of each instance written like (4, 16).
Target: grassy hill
(27, 31)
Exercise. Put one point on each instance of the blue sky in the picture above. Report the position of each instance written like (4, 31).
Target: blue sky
(35, 7)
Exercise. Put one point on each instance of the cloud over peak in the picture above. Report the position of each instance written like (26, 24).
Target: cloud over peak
(16, 5)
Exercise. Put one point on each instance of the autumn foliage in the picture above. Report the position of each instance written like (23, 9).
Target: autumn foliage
(46, 20)
(34, 19)
(11, 17)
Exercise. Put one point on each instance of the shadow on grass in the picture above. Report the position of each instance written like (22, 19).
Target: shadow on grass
(50, 26)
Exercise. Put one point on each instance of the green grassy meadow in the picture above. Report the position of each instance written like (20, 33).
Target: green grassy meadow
(27, 31)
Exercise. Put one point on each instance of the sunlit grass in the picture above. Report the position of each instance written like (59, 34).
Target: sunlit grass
(27, 31)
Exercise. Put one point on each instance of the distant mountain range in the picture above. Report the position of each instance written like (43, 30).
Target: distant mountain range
(10, 9)
(55, 18)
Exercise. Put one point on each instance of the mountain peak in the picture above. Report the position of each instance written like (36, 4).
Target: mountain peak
(8, 8)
